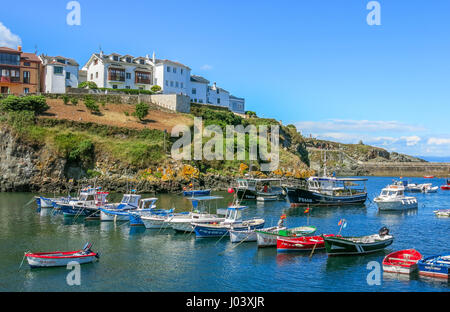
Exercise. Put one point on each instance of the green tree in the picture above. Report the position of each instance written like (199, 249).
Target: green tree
(156, 88)
(91, 105)
(141, 111)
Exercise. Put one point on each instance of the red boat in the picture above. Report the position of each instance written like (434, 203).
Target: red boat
(402, 262)
(446, 187)
(428, 177)
(301, 243)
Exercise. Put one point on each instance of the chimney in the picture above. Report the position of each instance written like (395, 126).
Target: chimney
(153, 57)
(19, 48)
(215, 85)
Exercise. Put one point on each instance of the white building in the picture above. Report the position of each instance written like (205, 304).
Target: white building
(199, 89)
(59, 72)
(172, 77)
(117, 71)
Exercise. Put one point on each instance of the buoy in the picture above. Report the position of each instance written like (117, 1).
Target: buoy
(231, 190)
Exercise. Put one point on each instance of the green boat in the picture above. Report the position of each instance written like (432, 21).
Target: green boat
(341, 246)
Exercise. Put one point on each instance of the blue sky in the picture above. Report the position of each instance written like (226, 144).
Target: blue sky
(316, 64)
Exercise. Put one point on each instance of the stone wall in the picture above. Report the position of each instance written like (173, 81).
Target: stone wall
(174, 102)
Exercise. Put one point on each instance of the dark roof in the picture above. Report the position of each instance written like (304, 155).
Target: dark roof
(232, 97)
(199, 79)
(54, 60)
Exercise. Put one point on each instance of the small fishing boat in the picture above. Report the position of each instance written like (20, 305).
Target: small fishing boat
(429, 177)
(233, 221)
(86, 204)
(304, 243)
(265, 189)
(446, 187)
(268, 237)
(242, 236)
(61, 258)
(393, 197)
(402, 262)
(429, 188)
(200, 213)
(442, 213)
(339, 246)
(435, 266)
(145, 206)
(192, 193)
(121, 211)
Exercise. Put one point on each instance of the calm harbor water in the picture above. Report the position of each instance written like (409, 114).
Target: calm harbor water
(135, 259)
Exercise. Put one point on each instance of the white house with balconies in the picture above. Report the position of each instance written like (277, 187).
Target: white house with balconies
(117, 71)
(59, 72)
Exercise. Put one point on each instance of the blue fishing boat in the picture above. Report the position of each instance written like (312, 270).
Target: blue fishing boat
(193, 193)
(435, 266)
(120, 211)
(87, 204)
(233, 221)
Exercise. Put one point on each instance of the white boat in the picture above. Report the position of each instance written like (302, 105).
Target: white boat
(200, 213)
(233, 221)
(61, 258)
(120, 211)
(443, 213)
(267, 237)
(393, 198)
(152, 221)
(265, 198)
(429, 188)
(242, 236)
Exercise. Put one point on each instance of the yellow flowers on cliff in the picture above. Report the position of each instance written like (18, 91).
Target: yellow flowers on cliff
(190, 172)
(278, 172)
(242, 168)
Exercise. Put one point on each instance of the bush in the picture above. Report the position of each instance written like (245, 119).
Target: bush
(20, 120)
(74, 101)
(74, 147)
(88, 85)
(156, 88)
(128, 91)
(65, 99)
(91, 105)
(34, 103)
(141, 110)
(250, 114)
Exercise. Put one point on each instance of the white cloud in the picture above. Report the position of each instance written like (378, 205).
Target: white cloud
(206, 67)
(7, 38)
(438, 141)
(411, 140)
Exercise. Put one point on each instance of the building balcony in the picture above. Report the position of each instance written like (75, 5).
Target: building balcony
(143, 81)
(116, 78)
(6, 79)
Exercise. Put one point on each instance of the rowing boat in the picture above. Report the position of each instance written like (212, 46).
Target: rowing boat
(61, 258)
(402, 261)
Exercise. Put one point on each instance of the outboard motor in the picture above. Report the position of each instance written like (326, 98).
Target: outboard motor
(383, 231)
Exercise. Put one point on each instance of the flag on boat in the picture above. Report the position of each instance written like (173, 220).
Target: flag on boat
(283, 216)
(343, 223)
(307, 210)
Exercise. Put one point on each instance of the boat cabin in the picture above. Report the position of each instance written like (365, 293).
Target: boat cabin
(393, 191)
(131, 200)
(205, 203)
(234, 214)
(148, 203)
(335, 186)
(259, 185)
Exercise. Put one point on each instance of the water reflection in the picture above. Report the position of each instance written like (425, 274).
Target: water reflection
(327, 211)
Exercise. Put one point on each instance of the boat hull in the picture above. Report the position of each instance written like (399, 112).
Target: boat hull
(429, 267)
(341, 246)
(207, 231)
(302, 197)
(154, 222)
(242, 236)
(268, 237)
(197, 193)
(401, 262)
(406, 204)
(300, 244)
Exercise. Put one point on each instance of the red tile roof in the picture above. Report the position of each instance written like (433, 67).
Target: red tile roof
(30, 57)
(5, 49)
